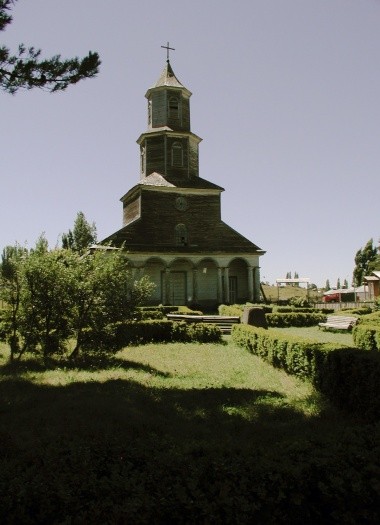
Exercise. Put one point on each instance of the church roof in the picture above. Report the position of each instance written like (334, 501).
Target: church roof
(168, 78)
(156, 179)
(134, 237)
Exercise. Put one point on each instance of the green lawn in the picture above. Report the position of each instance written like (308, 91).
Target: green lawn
(176, 433)
(324, 336)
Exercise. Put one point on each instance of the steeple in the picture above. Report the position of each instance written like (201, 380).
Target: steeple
(168, 147)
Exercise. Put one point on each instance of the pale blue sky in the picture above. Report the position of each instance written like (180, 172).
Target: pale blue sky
(286, 96)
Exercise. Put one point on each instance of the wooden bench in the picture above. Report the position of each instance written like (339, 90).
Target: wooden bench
(224, 322)
(338, 322)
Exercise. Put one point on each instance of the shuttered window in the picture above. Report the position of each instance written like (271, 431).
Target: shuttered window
(177, 155)
(173, 108)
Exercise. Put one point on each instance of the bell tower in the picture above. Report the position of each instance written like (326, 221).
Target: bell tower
(169, 147)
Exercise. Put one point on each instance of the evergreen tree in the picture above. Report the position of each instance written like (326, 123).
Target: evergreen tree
(365, 259)
(327, 285)
(345, 284)
(338, 284)
(26, 70)
(82, 235)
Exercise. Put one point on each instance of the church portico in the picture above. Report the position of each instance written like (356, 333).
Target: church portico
(204, 281)
(172, 228)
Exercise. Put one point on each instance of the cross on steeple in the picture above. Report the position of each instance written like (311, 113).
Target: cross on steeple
(167, 50)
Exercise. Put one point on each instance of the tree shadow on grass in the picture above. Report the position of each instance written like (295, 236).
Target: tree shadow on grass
(121, 452)
(121, 410)
(95, 363)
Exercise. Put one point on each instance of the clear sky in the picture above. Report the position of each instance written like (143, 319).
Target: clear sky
(286, 96)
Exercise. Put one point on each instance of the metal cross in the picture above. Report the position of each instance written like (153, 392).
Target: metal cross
(167, 50)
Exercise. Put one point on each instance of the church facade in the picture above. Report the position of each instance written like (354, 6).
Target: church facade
(172, 229)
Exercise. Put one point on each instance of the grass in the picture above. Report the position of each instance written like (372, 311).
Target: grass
(174, 433)
(323, 336)
(191, 387)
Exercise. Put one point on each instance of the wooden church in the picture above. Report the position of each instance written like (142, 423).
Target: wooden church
(172, 228)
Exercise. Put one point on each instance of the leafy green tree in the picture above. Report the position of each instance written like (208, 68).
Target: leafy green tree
(82, 235)
(105, 293)
(26, 70)
(47, 300)
(365, 259)
(10, 294)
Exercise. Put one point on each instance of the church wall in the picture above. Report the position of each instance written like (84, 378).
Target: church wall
(131, 211)
(175, 171)
(193, 158)
(160, 217)
(158, 109)
(154, 271)
(155, 155)
(207, 280)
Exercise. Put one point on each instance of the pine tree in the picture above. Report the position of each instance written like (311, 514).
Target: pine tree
(338, 284)
(327, 285)
(26, 70)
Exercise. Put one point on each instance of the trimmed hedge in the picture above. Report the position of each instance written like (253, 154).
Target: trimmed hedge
(349, 377)
(367, 336)
(143, 332)
(283, 320)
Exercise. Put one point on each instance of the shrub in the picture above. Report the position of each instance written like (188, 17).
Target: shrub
(237, 309)
(372, 319)
(363, 310)
(160, 331)
(231, 310)
(367, 336)
(282, 320)
(348, 376)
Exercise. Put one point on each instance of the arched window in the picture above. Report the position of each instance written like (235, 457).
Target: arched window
(181, 237)
(173, 107)
(142, 159)
(177, 155)
(149, 112)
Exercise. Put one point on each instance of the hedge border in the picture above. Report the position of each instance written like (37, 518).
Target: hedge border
(349, 377)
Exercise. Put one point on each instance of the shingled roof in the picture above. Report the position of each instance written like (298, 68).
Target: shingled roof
(168, 78)
(156, 179)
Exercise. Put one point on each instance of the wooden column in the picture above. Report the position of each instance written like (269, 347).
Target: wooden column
(195, 285)
(226, 285)
(166, 286)
(257, 284)
(220, 285)
(251, 292)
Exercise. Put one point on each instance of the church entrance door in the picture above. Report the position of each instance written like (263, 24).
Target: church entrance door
(179, 288)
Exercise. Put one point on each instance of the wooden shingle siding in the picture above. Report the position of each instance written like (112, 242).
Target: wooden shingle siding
(159, 109)
(131, 211)
(193, 158)
(155, 155)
